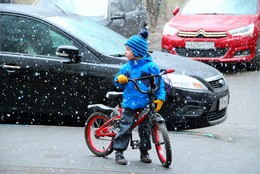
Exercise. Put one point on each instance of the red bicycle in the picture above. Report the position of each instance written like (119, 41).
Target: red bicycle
(102, 125)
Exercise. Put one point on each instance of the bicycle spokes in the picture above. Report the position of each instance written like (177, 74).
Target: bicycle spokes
(162, 144)
(96, 130)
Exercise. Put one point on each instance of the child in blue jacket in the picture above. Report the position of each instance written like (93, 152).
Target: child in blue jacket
(139, 64)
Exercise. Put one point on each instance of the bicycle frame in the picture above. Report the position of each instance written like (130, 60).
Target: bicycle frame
(106, 130)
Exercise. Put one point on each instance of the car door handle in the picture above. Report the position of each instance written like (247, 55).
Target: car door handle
(11, 68)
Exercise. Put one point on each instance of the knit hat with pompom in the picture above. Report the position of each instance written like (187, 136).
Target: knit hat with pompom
(138, 43)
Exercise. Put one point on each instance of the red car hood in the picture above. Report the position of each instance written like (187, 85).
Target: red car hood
(211, 22)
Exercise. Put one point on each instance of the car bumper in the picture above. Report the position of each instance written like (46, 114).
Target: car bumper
(192, 109)
(227, 50)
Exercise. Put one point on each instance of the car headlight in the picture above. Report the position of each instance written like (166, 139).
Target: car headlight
(243, 31)
(168, 30)
(183, 81)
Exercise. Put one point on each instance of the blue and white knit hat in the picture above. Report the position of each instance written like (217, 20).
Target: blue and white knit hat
(138, 43)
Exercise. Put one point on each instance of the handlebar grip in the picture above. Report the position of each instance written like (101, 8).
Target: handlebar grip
(166, 71)
(170, 71)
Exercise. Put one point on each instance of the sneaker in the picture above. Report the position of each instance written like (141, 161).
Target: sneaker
(145, 157)
(120, 159)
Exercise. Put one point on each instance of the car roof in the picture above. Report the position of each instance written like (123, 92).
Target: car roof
(30, 10)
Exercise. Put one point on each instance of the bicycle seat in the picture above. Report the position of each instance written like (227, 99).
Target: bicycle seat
(114, 94)
(104, 108)
(100, 106)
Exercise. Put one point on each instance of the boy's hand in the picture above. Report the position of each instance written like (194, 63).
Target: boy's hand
(122, 79)
(159, 104)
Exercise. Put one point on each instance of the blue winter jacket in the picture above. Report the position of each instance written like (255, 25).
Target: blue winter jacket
(132, 98)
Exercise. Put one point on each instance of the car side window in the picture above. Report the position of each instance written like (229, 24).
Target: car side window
(129, 6)
(115, 6)
(123, 6)
(59, 39)
(28, 36)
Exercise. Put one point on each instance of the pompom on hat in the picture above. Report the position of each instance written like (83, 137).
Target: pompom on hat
(138, 43)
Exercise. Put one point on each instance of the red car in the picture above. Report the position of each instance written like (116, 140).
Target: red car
(222, 31)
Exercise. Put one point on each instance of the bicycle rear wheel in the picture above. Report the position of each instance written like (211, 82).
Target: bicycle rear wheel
(100, 146)
(162, 143)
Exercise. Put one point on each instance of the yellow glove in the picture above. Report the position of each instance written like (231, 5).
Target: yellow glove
(159, 104)
(122, 79)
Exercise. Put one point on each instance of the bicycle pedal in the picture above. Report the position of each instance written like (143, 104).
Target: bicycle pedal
(135, 144)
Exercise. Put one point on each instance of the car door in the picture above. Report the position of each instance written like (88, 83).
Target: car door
(135, 16)
(32, 78)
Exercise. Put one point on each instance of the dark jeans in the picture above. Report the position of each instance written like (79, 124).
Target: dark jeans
(123, 136)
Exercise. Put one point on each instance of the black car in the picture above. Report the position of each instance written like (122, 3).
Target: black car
(123, 16)
(37, 79)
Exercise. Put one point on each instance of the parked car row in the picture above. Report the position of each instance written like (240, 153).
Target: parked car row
(35, 79)
(123, 16)
(220, 31)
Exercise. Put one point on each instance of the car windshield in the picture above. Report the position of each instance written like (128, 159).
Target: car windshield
(230, 7)
(95, 35)
(83, 7)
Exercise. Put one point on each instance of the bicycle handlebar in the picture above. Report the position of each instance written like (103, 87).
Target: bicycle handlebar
(168, 71)
(163, 72)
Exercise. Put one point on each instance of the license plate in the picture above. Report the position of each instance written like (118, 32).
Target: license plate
(223, 102)
(200, 45)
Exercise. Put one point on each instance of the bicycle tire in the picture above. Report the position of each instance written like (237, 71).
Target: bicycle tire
(162, 143)
(103, 146)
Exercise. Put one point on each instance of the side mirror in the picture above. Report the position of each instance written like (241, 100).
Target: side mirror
(118, 15)
(175, 11)
(70, 52)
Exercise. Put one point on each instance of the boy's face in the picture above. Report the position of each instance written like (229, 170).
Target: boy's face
(129, 53)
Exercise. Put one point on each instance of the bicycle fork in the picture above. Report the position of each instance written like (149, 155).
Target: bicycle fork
(156, 119)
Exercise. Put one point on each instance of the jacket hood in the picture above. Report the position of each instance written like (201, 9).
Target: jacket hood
(145, 59)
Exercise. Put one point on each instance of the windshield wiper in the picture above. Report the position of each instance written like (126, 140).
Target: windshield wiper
(118, 55)
(209, 13)
(58, 7)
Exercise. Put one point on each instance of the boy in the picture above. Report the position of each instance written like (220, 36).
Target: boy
(139, 64)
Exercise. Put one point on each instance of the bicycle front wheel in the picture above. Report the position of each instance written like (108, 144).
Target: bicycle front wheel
(100, 146)
(162, 143)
